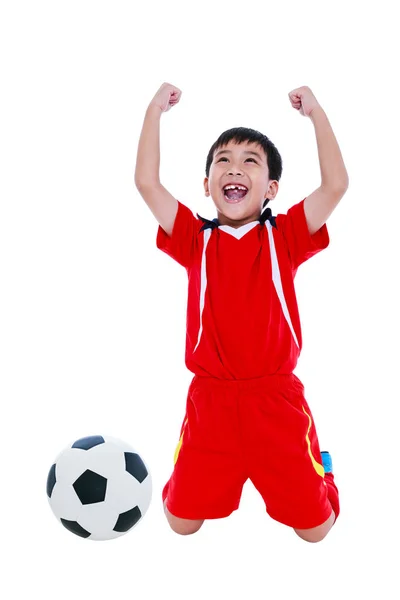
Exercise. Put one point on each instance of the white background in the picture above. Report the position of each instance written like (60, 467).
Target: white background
(93, 316)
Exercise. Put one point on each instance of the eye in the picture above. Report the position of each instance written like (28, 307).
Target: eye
(224, 158)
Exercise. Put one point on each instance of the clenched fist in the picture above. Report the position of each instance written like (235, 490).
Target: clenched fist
(167, 96)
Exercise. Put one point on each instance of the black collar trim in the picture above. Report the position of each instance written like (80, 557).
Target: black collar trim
(265, 216)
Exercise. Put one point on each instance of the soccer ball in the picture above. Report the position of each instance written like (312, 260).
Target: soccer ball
(99, 488)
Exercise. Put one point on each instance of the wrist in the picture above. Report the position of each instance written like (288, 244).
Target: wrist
(316, 112)
(154, 110)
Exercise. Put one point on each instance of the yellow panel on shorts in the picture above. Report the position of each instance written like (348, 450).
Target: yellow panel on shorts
(319, 468)
(178, 448)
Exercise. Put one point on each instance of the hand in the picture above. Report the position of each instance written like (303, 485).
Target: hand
(167, 96)
(303, 99)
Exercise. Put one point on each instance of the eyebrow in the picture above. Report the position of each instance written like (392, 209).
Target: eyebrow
(245, 152)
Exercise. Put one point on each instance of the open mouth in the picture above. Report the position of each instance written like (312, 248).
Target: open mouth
(234, 193)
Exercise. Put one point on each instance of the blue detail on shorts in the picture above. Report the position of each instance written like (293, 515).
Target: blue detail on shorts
(326, 462)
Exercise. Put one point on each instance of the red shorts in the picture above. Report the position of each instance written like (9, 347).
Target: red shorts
(259, 429)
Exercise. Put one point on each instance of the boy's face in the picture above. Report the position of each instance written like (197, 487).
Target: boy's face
(244, 164)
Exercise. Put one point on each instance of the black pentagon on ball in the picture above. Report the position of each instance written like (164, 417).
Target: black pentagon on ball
(135, 466)
(75, 528)
(90, 487)
(128, 519)
(51, 480)
(88, 442)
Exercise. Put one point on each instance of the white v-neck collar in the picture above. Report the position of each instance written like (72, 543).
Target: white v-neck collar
(238, 232)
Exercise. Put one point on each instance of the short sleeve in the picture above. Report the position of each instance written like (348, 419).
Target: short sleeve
(181, 244)
(300, 243)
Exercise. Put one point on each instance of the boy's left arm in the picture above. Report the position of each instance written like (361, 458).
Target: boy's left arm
(319, 205)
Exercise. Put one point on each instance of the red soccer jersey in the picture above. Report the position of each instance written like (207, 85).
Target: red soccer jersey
(242, 315)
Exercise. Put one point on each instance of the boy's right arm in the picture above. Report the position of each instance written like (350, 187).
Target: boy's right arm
(147, 180)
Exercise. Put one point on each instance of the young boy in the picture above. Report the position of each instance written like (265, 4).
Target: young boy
(246, 414)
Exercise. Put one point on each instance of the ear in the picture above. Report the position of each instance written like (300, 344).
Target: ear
(273, 190)
(206, 188)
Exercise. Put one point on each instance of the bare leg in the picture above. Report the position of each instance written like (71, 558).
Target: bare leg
(317, 534)
(182, 526)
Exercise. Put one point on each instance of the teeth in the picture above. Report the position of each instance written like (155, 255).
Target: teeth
(233, 187)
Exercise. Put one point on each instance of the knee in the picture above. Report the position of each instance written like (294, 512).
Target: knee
(317, 534)
(182, 526)
(311, 536)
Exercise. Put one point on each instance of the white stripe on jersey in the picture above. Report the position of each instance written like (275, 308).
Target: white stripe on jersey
(276, 278)
(203, 282)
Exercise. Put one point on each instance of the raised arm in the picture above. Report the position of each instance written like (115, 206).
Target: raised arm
(319, 205)
(147, 173)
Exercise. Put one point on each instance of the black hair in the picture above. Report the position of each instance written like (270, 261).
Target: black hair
(244, 134)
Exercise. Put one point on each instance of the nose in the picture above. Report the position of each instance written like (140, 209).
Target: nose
(233, 170)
